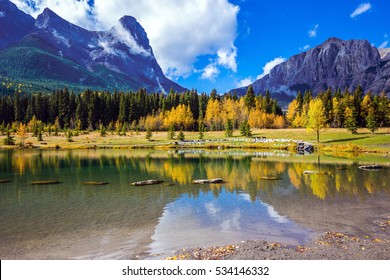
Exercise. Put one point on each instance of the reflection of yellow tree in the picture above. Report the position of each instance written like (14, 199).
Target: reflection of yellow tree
(295, 179)
(369, 186)
(180, 172)
(20, 163)
(338, 182)
(319, 185)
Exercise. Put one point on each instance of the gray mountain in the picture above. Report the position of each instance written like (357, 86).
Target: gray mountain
(14, 24)
(335, 64)
(50, 52)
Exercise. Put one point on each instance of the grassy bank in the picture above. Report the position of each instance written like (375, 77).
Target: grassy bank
(331, 141)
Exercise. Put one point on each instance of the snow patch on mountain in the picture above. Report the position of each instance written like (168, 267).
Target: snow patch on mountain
(159, 84)
(42, 22)
(2, 14)
(105, 48)
(112, 67)
(60, 38)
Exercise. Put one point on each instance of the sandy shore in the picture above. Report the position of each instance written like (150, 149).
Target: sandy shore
(328, 246)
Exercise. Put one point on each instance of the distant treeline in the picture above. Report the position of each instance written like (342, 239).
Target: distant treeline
(91, 109)
(124, 111)
(343, 109)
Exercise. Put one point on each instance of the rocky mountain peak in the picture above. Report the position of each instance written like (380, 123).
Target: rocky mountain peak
(384, 53)
(120, 58)
(335, 63)
(132, 26)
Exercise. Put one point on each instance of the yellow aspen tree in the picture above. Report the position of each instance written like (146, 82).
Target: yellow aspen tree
(213, 117)
(22, 133)
(292, 112)
(279, 122)
(316, 117)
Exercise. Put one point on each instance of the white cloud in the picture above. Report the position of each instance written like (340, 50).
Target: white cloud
(245, 82)
(305, 48)
(269, 65)
(313, 32)
(122, 35)
(179, 31)
(266, 70)
(75, 11)
(227, 58)
(210, 72)
(362, 8)
(385, 44)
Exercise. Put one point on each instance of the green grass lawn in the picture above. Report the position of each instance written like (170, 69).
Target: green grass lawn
(332, 138)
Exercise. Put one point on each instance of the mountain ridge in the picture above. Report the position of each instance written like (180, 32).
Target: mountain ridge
(333, 64)
(53, 51)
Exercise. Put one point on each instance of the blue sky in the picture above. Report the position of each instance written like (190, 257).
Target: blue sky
(222, 44)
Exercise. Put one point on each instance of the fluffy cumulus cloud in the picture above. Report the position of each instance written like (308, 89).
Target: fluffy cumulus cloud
(245, 82)
(361, 9)
(313, 32)
(179, 31)
(266, 70)
(210, 72)
(269, 65)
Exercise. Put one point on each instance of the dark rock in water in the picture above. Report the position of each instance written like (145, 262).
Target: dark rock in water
(371, 167)
(45, 182)
(95, 183)
(147, 183)
(309, 172)
(210, 181)
(270, 178)
(5, 181)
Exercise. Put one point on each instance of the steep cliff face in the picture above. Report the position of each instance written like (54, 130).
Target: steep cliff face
(14, 24)
(55, 51)
(335, 63)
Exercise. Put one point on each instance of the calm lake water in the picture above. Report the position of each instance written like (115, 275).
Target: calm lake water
(120, 221)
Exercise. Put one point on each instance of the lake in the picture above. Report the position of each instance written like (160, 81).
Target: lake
(265, 195)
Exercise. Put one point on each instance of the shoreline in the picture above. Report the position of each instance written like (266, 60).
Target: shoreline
(373, 244)
(326, 246)
(326, 149)
(334, 141)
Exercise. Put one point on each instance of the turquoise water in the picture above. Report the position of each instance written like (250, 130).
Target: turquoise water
(119, 221)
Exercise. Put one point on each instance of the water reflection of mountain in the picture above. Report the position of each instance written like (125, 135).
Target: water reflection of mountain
(350, 215)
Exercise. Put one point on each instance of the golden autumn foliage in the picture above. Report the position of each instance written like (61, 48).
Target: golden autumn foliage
(213, 118)
(22, 133)
(179, 117)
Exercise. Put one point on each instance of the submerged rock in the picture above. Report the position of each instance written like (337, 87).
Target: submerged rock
(208, 181)
(147, 183)
(373, 167)
(95, 183)
(5, 181)
(270, 178)
(45, 182)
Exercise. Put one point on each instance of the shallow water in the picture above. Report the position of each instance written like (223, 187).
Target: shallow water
(120, 221)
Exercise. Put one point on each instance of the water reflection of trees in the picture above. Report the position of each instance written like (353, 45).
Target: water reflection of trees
(241, 173)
